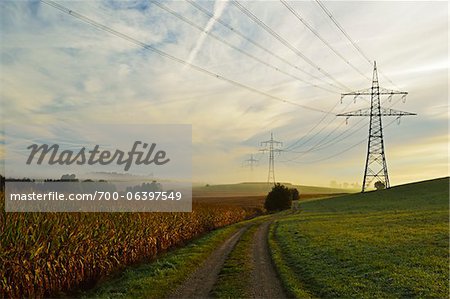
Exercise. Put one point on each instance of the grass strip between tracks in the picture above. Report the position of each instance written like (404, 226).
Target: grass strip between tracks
(235, 275)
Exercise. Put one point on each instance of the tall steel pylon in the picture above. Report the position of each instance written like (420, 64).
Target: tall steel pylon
(250, 162)
(376, 166)
(272, 146)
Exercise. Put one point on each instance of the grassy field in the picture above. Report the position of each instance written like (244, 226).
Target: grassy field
(386, 244)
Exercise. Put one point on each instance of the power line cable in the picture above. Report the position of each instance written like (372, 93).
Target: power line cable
(210, 15)
(297, 145)
(307, 25)
(253, 42)
(216, 37)
(329, 143)
(318, 142)
(225, 42)
(289, 148)
(355, 45)
(285, 42)
(176, 59)
(338, 153)
(330, 15)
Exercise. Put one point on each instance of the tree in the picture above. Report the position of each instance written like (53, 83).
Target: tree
(279, 198)
(380, 185)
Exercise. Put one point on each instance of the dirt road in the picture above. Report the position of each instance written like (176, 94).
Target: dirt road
(200, 283)
(263, 280)
(265, 283)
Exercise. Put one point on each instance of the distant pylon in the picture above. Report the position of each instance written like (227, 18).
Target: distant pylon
(376, 167)
(272, 147)
(250, 162)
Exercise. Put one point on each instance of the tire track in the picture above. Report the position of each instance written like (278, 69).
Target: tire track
(264, 281)
(200, 283)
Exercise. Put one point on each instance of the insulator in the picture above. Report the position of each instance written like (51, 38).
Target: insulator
(342, 97)
(354, 99)
(346, 120)
(404, 98)
(398, 120)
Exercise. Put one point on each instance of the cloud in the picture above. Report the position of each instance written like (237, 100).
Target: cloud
(219, 7)
(55, 69)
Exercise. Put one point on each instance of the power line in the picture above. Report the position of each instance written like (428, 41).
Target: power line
(338, 153)
(255, 43)
(285, 42)
(72, 13)
(330, 15)
(332, 142)
(209, 33)
(211, 16)
(307, 25)
(176, 59)
(297, 145)
(318, 142)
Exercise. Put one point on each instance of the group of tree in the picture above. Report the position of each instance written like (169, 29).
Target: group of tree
(280, 198)
(154, 186)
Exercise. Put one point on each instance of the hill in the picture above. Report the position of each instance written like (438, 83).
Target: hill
(257, 189)
(425, 195)
(390, 243)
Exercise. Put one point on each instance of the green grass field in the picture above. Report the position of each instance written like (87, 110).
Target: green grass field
(385, 244)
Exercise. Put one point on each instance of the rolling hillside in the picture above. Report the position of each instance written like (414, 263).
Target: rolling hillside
(390, 243)
(255, 189)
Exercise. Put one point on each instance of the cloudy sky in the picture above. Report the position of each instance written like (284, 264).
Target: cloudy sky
(58, 70)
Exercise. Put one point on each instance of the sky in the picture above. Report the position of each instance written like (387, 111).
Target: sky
(58, 70)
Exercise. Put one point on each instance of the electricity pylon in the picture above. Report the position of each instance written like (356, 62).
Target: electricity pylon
(250, 162)
(272, 146)
(376, 167)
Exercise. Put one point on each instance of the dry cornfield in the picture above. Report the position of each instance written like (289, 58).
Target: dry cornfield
(44, 254)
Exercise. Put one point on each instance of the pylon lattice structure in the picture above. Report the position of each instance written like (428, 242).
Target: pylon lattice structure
(250, 162)
(272, 146)
(376, 166)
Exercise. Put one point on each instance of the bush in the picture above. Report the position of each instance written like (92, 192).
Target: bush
(380, 185)
(279, 198)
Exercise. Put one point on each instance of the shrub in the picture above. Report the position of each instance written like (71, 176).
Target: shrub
(380, 185)
(279, 198)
